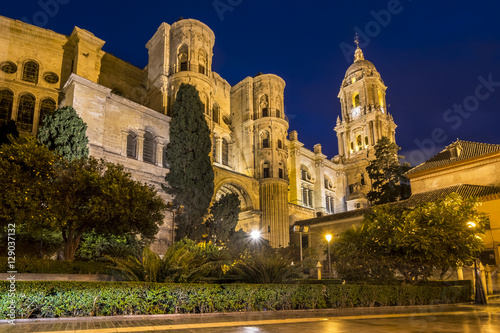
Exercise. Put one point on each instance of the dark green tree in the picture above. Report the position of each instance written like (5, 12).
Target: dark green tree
(6, 129)
(439, 235)
(223, 219)
(387, 175)
(41, 190)
(65, 132)
(190, 178)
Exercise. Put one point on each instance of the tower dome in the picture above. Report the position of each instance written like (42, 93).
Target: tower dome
(360, 67)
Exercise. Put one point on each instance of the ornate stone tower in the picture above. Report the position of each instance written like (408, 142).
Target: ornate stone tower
(271, 155)
(364, 121)
(179, 53)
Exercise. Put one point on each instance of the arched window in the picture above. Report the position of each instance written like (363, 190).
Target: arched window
(46, 106)
(6, 100)
(265, 139)
(264, 106)
(304, 174)
(30, 72)
(182, 58)
(328, 184)
(355, 100)
(278, 107)
(381, 100)
(266, 170)
(225, 151)
(202, 62)
(26, 112)
(359, 142)
(132, 145)
(216, 113)
(149, 148)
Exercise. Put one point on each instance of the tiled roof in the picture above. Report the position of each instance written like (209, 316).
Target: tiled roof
(334, 217)
(466, 150)
(464, 190)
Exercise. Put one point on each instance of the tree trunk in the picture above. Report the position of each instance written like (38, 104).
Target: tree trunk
(70, 248)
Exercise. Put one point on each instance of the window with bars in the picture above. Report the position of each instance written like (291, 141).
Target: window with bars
(225, 152)
(149, 148)
(30, 72)
(46, 106)
(6, 101)
(26, 112)
(132, 145)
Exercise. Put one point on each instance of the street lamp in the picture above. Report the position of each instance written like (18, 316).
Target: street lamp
(255, 234)
(300, 230)
(178, 210)
(479, 295)
(328, 239)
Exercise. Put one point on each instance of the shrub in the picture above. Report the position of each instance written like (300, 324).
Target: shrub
(50, 299)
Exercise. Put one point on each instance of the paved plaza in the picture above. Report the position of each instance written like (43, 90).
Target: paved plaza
(436, 318)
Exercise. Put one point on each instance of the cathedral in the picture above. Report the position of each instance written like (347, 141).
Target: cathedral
(255, 155)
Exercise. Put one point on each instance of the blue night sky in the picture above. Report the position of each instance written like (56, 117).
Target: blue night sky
(433, 56)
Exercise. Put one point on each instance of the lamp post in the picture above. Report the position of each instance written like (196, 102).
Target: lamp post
(300, 230)
(178, 210)
(328, 239)
(479, 294)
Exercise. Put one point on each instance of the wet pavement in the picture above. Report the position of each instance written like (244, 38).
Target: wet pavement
(434, 318)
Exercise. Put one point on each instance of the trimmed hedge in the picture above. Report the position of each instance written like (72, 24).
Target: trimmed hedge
(77, 299)
(33, 265)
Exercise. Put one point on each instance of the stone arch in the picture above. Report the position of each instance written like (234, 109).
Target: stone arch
(232, 186)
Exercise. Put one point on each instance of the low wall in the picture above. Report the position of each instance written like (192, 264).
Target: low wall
(58, 277)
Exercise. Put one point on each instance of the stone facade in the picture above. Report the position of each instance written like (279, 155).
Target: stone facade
(128, 110)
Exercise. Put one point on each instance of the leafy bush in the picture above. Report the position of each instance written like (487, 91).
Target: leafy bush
(266, 267)
(185, 261)
(94, 246)
(49, 299)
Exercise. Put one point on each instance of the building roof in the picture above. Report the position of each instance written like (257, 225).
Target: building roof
(457, 151)
(333, 217)
(464, 190)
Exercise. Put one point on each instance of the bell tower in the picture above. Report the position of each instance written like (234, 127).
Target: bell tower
(364, 120)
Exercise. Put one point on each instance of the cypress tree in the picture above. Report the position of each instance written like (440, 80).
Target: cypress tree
(190, 178)
(388, 181)
(65, 132)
